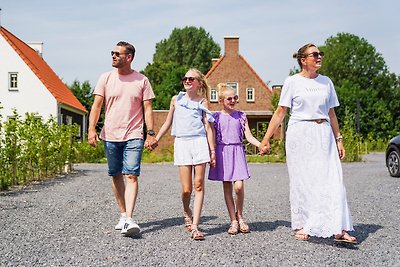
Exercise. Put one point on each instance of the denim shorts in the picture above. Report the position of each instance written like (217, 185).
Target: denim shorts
(124, 157)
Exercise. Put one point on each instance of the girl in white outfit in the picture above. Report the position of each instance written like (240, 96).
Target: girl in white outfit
(194, 144)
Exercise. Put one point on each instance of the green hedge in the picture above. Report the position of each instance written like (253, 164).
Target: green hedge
(31, 149)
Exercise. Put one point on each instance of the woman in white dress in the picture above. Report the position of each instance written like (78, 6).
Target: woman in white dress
(314, 148)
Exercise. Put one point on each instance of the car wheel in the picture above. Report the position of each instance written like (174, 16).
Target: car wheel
(393, 164)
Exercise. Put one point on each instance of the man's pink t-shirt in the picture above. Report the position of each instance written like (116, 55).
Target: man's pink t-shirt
(123, 98)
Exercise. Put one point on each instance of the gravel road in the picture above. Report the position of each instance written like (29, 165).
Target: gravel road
(69, 221)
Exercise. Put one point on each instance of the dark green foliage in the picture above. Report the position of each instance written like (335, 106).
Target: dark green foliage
(367, 91)
(351, 58)
(190, 47)
(84, 93)
(166, 82)
(185, 48)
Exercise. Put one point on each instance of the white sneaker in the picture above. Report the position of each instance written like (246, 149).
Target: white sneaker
(130, 228)
(121, 223)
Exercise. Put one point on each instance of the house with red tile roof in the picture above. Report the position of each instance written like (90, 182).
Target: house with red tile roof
(254, 94)
(28, 84)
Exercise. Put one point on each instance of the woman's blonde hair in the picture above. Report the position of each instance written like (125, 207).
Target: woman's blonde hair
(301, 53)
(204, 88)
(222, 88)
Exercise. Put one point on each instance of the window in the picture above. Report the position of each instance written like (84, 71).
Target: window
(13, 81)
(213, 95)
(79, 131)
(262, 127)
(250, 95)
(68, 120)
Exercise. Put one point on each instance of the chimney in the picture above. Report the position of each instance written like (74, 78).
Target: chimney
(231, 45)
(37, 46)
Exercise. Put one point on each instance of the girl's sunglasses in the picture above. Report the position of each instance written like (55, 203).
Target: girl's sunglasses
(190, 79)
(235, 97)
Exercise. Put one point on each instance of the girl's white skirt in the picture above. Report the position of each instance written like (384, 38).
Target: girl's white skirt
(317, 193)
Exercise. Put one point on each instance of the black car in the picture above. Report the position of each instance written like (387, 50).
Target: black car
(393, 157)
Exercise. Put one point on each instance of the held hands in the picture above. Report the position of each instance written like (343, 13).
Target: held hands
(213, 161)
(151, 142)
(264, 147)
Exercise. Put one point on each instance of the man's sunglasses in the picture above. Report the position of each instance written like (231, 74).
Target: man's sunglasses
(116, 53)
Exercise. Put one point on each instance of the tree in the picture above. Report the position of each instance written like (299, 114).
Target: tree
(165, 79)
(190, 46)
(363, 83)
(185, 48)
(84, 93)
(351, 58)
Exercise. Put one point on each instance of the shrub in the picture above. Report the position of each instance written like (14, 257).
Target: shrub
(87, 153)
(33, 150)
(166, 155)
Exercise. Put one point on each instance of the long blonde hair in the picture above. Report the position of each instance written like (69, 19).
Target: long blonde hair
(204, 88)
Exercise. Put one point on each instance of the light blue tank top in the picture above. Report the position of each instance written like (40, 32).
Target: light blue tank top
(188, 117)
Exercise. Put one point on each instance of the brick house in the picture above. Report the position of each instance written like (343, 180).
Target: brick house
(254, 94)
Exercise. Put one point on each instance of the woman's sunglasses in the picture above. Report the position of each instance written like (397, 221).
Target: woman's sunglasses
(235, 97)
(316, 54)
(190, 79)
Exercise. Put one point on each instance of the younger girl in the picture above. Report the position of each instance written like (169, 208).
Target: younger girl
(231, 167)
(194, 143)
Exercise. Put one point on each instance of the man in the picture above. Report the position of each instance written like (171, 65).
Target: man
(126, 94)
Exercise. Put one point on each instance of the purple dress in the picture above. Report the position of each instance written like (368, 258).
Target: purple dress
(231, 158)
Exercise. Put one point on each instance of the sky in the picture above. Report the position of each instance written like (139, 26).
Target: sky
(79, 35)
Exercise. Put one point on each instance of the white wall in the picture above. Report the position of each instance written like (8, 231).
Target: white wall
(32, 95)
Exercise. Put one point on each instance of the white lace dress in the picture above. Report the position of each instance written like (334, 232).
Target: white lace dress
(317, 193)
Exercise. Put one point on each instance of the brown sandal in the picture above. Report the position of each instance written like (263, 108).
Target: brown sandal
(346, 238)
(243, 226)
(188, 220)
(234, 228)
(196, 234)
